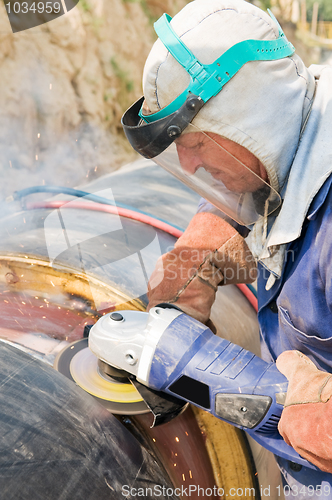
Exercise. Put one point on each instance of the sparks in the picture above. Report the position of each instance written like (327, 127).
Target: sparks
(38, 135)
(50, 86)
(36, 157)
(177, 439)
(52, 283)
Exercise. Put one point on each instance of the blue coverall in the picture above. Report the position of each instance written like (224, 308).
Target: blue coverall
(296, 313)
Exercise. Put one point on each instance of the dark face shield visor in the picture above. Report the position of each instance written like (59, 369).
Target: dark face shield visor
(151, 139)
(203, 163)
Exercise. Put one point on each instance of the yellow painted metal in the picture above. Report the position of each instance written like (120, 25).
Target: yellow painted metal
(229, 455)
(29, 274)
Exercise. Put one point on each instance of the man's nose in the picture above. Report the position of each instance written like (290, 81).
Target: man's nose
(189, 161)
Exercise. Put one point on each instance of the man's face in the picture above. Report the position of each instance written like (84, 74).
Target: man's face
(222, 158)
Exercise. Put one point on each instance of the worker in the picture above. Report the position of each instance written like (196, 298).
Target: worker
(232, 111)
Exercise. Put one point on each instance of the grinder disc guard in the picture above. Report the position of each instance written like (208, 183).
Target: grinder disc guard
(80, 365)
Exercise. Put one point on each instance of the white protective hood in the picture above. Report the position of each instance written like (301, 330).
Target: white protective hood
(311, 167)
(264, 107)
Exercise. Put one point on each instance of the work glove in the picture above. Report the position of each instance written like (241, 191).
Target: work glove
(208, 254)
(306, 421)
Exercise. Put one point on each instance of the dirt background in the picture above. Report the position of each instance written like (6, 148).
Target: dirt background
(64, 86)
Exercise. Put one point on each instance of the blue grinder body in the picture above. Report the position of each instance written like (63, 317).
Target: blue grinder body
(233, 384)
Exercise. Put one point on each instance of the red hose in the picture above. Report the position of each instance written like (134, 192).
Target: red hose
(250, 296)
(101, 207)
(131, 214)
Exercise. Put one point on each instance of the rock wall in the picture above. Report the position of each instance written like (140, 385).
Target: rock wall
(64, 86)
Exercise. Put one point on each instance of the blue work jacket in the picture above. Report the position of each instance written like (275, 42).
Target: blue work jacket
(296, 313)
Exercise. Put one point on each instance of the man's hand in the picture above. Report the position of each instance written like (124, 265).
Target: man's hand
(306, 421)
(209, 253)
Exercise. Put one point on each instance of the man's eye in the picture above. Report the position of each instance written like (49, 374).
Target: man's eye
(192, 147)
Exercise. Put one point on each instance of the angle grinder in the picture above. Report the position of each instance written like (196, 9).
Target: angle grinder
(173, 359)
(116, 389)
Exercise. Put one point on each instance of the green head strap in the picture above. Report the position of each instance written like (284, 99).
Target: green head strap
(207, 80)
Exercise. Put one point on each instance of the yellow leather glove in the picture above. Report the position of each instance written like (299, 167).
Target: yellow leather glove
(208, 254)
(306, 421)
